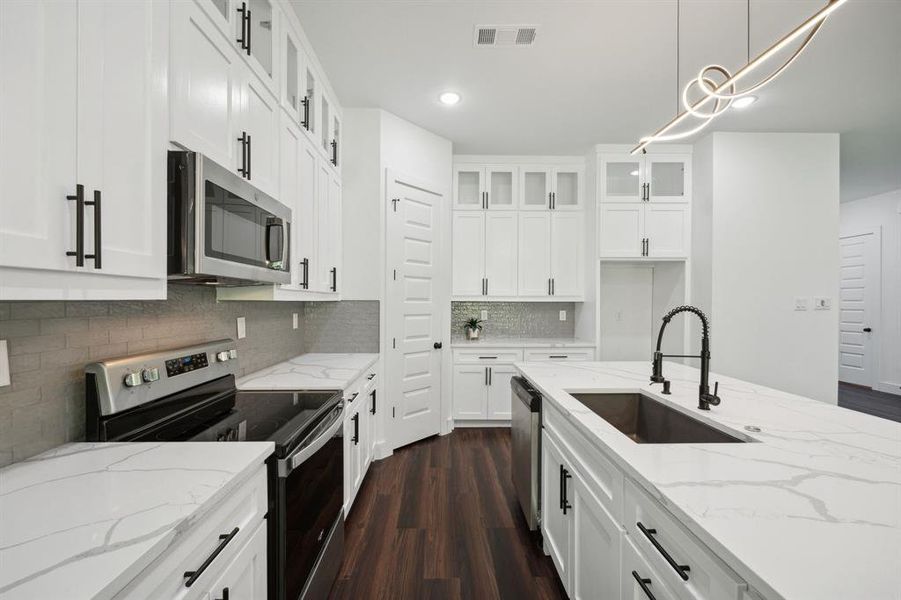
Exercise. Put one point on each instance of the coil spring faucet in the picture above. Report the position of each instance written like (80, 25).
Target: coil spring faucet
(705, 398)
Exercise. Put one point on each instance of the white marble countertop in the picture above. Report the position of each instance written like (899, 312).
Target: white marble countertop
(82, 520)
(520, 342)
(310, 372)
(811, 512)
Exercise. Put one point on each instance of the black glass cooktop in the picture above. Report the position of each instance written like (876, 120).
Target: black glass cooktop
(215, 411)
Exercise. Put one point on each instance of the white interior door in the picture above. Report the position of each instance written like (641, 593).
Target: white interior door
(626, 309)
(859, 306)
(414, 312)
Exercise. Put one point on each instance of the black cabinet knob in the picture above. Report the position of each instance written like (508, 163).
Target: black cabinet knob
(867, 329)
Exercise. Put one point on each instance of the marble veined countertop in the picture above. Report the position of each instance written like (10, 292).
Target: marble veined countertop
(310, 372)
(813, 511)
(520, 342)
(82, 520)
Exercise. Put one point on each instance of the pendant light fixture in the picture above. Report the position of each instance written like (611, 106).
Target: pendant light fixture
(717, 86)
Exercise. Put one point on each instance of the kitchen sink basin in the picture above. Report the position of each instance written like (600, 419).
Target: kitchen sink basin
(646, 421)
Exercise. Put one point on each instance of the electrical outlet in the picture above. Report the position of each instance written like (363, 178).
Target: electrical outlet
(242, 328)
(562, 315)
(4, 364)
(294, 320)
(484, 315)
(801, 303)
(822, 303)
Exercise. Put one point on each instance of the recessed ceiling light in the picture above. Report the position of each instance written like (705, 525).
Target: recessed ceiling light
(744, 101)
(449, 98)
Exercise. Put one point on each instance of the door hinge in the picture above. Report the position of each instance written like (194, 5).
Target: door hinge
(394, 201)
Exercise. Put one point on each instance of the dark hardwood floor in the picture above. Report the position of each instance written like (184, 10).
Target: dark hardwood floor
(439, 519)
(880, 404)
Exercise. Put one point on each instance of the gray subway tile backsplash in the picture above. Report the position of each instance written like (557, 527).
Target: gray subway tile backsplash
(50, 343)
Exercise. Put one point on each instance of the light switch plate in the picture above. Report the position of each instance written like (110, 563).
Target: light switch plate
(822, 303)
(562, 315)
(294, 320)
(484, 315)
(4, 364)
(801, 303)
(242, 328)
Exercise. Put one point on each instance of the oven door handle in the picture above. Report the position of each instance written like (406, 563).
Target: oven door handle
(296, 458)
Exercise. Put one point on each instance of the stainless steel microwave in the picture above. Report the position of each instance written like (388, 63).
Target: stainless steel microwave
(222, 230)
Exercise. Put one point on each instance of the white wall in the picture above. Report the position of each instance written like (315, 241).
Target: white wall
(774, 222)
(883, 212)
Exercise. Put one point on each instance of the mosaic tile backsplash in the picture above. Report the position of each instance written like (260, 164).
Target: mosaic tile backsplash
(50, 342)
(516, 319)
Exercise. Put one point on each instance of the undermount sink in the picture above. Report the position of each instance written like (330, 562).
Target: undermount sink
(647, 421)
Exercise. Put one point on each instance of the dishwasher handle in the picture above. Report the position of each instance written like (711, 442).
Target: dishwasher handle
(526, 394)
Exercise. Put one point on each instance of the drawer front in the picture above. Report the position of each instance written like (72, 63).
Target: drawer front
(541, 354)
(637, 572)
(601, 476)
(706, 578)
(245, 509)
(488, 355)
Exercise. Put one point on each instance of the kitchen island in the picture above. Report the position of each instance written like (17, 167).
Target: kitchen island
(807, 506)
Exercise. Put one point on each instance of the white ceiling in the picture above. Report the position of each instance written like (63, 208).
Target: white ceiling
(604, 71)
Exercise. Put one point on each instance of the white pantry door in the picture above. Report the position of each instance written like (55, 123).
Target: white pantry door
(859, 300)
(414, 371)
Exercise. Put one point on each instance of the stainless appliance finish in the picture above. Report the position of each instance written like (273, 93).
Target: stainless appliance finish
(222, 230)
(647, 421)
(526, 448)
(189, 394)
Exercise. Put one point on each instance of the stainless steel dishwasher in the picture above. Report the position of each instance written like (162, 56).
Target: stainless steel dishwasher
(526, 444)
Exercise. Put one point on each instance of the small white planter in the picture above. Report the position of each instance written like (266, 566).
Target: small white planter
(472, 334)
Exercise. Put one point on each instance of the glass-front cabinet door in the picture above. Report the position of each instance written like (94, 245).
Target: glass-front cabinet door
(255, 37)
(622, 179)
(469, 187)
(501, 188)
(567, 194)
(666, 179)
(292, 94)
(535, 183)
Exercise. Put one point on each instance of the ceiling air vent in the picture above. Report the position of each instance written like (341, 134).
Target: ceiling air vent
(498, 36)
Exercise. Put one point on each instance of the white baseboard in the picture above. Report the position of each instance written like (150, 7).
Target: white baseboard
(382, 450)
(888, 387)
(480, 423)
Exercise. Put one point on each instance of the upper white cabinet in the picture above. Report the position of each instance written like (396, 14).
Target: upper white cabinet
(551, 188)
(644, 209)
(478, 187)
(551, 261)
(485, 254)
(83, 149)
(645, 178)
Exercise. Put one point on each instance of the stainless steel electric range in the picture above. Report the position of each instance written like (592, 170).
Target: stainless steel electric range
(189, 394)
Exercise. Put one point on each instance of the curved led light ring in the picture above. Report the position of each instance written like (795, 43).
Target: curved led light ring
(725, 91)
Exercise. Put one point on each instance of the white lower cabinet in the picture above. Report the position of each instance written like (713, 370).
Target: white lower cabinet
(246, 576)
(582, 538)
(361, 406)
(482, 391)
(638, 579)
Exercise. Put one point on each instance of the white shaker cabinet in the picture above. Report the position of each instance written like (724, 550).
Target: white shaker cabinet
(631, 230)
(481, 383)
(646, 178)
(551, 261)
(258, 120)
(493, 187)
(83, 122)
(468, 253)
(485, 253)
(534, 254)
(550, 188)
(470, 383)
(246, 576)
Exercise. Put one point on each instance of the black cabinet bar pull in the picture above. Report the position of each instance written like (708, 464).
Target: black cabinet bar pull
(334, 279)
(372, 409)
(242, 170)
(224, 539)
(558, 356)
(306, 112)
(554, 200)
(682, 570)
(243, 39)
(486, 375)
(487, 357)
(95, 203)
(644, 582)
(548, 286)
(78, 253)
(249, 160)
(566, 504)
(549, 202)
(225, 594)
(553, 286)
(249, 28)
(562, 492)
(305, 265)
(335, 152)
(486, 286)
(356, 438)
(490, 375)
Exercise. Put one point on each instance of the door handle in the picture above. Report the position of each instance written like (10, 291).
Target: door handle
(437, 345)
(78, 253)
(867, 329)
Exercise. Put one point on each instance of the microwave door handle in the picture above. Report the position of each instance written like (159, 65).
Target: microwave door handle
(281, 240)
(295, 459)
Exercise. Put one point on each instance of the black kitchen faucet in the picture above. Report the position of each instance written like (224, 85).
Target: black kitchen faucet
(705, 398)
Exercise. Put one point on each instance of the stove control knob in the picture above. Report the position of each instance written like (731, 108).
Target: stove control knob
(133, 379)
(222, 356)
(233, 354)
(150, 375)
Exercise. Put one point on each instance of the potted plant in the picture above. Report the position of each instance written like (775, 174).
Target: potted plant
(472, 326)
